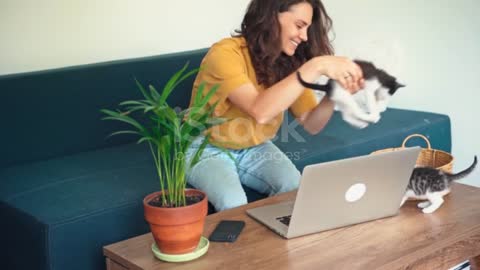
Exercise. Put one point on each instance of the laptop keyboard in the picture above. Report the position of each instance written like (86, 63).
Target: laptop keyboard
(285, 219)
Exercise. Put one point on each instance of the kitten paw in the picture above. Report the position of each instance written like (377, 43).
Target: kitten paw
(360, 125)
(354, 122)
(424, 204)
(404, 199)
(430, 209)
(371, 118)
(376, 118)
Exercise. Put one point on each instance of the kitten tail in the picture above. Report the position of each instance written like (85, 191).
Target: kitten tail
(326, 88)
(462, 174)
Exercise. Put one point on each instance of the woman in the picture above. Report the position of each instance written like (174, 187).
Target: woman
(256, 73)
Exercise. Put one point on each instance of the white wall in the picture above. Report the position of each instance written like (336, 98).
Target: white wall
(432, 46)
(44, 34)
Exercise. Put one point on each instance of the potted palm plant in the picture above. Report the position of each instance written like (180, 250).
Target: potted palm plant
(176, 214)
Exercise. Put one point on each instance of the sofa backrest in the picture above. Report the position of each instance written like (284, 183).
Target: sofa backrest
(56, 112)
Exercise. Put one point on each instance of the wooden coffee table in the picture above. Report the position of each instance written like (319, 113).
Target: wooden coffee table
(410, 240)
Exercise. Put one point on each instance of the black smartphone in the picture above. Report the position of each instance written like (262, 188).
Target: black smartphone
(227, 231)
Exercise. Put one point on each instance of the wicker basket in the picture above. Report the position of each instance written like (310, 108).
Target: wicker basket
(428, 157)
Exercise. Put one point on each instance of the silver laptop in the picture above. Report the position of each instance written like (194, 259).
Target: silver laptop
(343, 192)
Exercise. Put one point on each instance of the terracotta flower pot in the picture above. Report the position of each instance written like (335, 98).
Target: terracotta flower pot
(176, 230)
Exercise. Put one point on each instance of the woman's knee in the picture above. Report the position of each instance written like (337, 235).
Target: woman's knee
(222, 193)
(289, 180)
(219, 179)
(228, 199)
(268, 170)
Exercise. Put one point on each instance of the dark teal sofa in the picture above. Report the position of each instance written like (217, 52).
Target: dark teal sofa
(66, 190)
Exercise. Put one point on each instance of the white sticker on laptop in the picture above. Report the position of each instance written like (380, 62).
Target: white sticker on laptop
(355, 192)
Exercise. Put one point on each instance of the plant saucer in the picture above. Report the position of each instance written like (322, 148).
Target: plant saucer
(198, 252)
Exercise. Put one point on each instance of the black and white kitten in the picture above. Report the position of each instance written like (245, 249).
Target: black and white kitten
(432, 184)
(379, 88)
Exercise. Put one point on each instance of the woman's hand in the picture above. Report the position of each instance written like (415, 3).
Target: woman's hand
(343, 70)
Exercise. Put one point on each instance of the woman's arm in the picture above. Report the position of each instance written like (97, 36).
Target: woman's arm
(265, 105)
(315, 120)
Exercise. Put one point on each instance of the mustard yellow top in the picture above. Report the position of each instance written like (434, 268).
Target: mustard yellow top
(228, 64)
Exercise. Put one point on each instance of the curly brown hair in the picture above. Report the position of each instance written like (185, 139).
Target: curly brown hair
(261, 30)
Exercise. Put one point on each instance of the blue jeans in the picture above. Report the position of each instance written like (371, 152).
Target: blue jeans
(264, 168)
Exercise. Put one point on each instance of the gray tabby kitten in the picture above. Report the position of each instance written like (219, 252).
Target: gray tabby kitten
(432, 184)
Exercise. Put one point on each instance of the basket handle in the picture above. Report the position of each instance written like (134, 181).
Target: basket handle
(417, 135)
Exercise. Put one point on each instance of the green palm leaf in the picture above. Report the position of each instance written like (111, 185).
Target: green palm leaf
(144, 92)
(171, 83)
(169, 133)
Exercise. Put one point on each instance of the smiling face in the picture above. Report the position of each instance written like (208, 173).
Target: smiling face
(294, 24)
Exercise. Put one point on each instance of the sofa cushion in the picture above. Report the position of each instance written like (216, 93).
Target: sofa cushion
(68, 208)
(339, 140)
